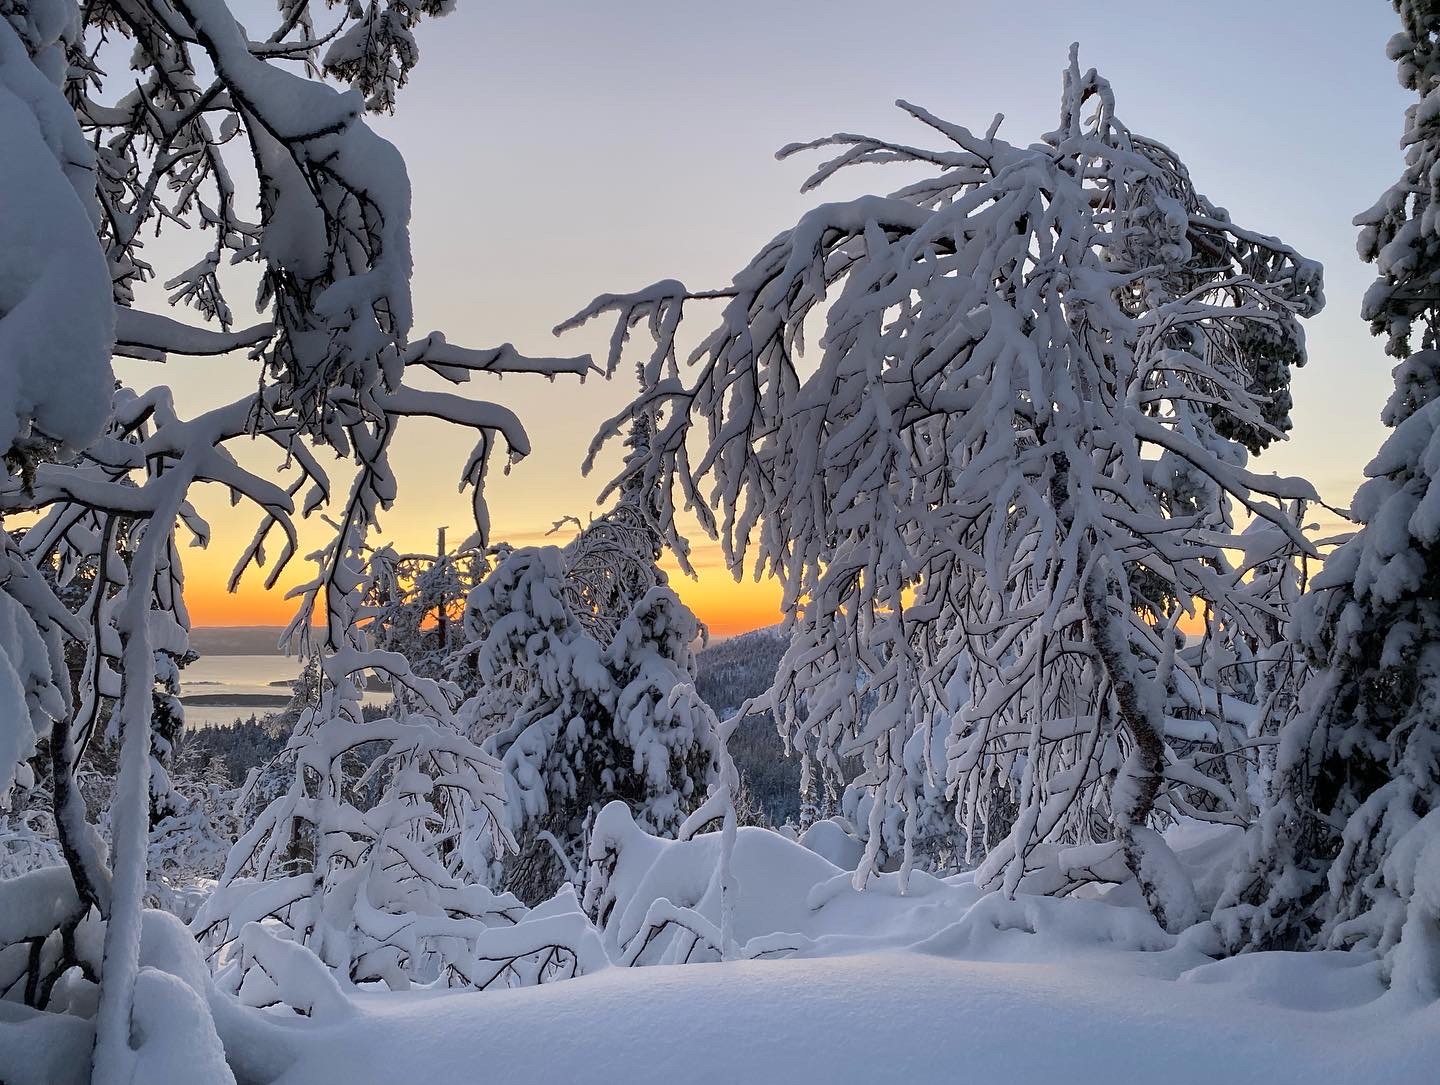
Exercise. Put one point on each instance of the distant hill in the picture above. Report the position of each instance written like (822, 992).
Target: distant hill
(730, 672)
(237, 640)
(735, 669)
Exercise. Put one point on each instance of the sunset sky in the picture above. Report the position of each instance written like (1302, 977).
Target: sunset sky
(638, 145)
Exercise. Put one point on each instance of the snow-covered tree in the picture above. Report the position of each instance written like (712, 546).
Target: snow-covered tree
(416, 605)
(1017, 452)
(92, 160)
(585, 675)
(610, 565)
(1358, 771)
(1349, 852)
(579, 722)
(1399, 233)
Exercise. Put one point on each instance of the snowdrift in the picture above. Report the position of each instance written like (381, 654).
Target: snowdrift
(822, 982)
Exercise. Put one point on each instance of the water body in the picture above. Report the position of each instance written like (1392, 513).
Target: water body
(219, 689)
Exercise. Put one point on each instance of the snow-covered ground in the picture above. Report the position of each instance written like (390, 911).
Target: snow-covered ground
(942, 982)
(897, 1017)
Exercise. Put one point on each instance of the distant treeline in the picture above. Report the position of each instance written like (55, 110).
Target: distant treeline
(231, 750)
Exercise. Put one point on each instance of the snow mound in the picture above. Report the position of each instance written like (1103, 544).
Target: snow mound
(1319, 980)
(866, 1018)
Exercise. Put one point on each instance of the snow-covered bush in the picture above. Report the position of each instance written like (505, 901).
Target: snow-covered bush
(27, 842)
(675, 921)
(1017, 454)
(189, 845)
(352, 861)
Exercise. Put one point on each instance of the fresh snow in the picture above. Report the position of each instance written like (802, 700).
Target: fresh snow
(895, 1016)
(941, 982)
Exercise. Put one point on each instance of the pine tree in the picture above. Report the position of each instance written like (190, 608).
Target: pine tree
(577, 721)
(586, 673)
(1349, 851)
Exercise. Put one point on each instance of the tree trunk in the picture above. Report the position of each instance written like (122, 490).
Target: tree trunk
(1166, 887)
(77, 839)
(1164, 884)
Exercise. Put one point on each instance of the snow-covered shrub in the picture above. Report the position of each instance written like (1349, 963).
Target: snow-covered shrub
(353, 860)
(553, 941)
(658, 901)
(27, 842)
(1018, 452)
(190, 844)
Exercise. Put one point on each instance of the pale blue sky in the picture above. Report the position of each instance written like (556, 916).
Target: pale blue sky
(558, 149)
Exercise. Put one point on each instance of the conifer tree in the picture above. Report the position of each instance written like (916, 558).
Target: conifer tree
(1349, 852)
(587, 689)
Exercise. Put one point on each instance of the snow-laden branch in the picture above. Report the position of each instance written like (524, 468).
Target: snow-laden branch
(456, 363)
(153, 336)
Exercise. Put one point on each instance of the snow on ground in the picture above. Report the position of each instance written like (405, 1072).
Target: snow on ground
(890, 1017)
(941, 983)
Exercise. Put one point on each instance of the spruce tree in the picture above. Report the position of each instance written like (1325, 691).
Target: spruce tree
(1349, 851)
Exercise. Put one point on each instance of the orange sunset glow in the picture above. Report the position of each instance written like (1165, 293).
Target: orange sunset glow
(726, 607)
